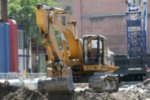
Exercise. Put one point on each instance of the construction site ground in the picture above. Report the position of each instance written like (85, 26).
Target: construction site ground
(128, 91)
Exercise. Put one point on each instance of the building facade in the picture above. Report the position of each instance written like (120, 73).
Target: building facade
(104, 17)
(66, 4)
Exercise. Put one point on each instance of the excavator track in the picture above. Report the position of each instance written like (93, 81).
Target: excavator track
(108, 83)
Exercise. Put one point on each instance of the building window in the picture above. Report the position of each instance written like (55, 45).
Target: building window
(68, 9)
(63, 20)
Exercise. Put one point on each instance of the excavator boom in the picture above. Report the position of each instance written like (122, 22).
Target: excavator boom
(58, 65)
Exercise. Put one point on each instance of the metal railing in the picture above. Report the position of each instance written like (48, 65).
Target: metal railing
(13, 75)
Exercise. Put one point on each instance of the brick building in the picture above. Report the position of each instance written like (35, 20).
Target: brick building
(104, 17)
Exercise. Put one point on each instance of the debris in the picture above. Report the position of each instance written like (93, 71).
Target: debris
(133, 92)
(8, 92)
(138, 92)
(5, 89)
(80, 87)
(91, 95)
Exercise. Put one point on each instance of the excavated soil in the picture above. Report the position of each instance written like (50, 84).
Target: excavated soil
(138, 92)
(91, 95)
(8, 92)
(6, 89)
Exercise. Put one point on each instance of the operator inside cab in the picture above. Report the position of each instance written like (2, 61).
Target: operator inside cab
(93, 51)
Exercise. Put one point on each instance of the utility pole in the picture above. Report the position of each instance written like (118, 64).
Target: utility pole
(4, 15)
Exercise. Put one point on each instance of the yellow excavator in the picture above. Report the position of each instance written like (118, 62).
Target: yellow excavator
(79, 59)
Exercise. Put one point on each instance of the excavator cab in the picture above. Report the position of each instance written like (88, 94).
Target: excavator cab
(96, 54)
(93, 50)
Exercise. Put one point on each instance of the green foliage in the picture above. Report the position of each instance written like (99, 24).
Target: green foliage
(58, 35)
(23, 11)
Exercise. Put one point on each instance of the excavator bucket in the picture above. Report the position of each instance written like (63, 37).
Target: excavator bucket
(57, 84)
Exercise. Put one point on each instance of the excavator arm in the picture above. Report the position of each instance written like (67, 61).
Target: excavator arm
(56, 18)
(58, 62)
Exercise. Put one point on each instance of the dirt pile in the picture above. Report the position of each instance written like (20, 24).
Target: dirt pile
(8, 92)
(138, 92)
(6, 89)
(24, 94)
(91, 95)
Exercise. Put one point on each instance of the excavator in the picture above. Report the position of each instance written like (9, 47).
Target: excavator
(79, 59)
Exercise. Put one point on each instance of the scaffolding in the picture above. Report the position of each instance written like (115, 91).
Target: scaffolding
(136, 28)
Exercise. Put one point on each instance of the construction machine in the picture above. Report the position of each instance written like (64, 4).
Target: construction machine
(133, 65)
(78, 60)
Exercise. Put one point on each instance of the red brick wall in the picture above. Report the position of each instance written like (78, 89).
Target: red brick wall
(77, 14)
(113, 28)
(102, 6)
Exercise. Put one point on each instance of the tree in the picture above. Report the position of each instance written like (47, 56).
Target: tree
(23, 11)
